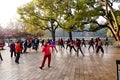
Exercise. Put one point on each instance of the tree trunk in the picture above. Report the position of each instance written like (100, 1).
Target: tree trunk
(118, 39)
(113, 24)
(115, 34)
(53, 35)
(70, 35)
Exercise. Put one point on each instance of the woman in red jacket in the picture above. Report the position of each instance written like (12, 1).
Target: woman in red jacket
(47, 54)
(17, 50)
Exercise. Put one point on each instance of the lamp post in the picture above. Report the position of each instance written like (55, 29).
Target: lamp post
(118, 70)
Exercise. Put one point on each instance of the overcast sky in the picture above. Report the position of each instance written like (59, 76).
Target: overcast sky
(8, 9)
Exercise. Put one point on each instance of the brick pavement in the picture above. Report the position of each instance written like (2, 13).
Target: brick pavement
(64, 66)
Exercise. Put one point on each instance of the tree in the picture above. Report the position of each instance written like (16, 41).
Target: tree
(67, 17)
(113, 18)
(96, 8)
(34, 30)
(77, 13)
(41, 13)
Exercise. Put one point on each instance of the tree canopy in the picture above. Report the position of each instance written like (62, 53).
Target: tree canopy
(71, 15)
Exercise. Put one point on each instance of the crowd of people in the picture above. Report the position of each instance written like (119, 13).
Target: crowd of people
(21, 47)
(96, 44)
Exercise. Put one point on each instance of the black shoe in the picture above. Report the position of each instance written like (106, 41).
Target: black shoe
(49, 66)
(40, 67)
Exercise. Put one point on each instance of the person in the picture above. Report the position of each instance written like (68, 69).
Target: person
(42, 42)
(78, 45)
(83, 42)
(47, 54)
(36, 44)
(29, 43)
(72, 45)
(99, 46)
(12, 49)
(68, 45)
(21, 46)
(106, 42)
(59, 41)
(91, 43)
(62, 43)
(54, 45)
(18, 50)
(25, 46)
(1, 57)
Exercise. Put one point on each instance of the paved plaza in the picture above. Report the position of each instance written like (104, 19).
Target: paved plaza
(64, 65)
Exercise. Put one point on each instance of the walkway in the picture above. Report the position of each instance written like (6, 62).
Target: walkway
(65, 66)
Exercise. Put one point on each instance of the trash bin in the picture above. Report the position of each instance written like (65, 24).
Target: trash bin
(118, 69)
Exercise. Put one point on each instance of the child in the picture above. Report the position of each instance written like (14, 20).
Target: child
(47, 54)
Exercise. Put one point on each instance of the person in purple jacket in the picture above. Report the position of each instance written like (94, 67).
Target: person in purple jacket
(12, 49)
(53, 43)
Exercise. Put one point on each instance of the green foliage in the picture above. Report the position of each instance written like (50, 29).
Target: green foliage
(117, 14)
(34, 30)
(28, 16)
(68, 14)
(109, 34)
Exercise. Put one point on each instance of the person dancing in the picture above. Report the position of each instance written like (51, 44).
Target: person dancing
(99, 47)
(78, 45)
(47, 54)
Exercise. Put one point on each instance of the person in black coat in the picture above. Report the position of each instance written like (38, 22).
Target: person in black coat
(25, 46)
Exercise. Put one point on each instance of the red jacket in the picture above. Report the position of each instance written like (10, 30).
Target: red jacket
(46, 49)
(17, 48)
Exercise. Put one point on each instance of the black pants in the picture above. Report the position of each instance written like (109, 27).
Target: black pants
(98, 48)
(79, 48)
(91, 45)
(106, 44)
(25, 49)
(84, 44)
(17, 57)
(73, 48)
(36, 47)
(1, 56)
(13, 52)
(62, 45)
(67, 46)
